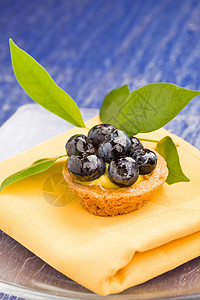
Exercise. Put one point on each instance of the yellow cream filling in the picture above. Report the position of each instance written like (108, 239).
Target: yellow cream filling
(105, 182)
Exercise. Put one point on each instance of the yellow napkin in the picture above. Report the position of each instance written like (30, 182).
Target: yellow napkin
(104, 254)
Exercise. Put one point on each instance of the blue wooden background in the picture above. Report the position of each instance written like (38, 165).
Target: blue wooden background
(93, 46)
(90, 47)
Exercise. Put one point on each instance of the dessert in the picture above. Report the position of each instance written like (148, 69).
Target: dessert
(131, 174)
(132, 113)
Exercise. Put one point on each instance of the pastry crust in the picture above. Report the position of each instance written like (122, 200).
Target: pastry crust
(111, 202)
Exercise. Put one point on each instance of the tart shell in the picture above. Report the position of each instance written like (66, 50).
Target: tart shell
(111, 202)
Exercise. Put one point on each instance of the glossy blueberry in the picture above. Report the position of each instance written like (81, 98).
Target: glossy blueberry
(118, 145)
(78, 144)
(146, 160)
(135, 145)
(100, 133)
(86, 167)
(123, 170)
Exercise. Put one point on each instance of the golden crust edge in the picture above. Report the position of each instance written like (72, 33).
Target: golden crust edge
(111, 202)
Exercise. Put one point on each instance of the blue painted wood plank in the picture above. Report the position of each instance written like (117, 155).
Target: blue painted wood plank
(90, 47)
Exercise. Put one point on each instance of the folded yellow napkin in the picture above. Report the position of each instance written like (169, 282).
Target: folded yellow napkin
(104, 254)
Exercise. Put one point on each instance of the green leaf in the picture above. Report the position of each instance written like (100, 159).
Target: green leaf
(112, 102)
(37, 167)
(39, 85)
(168, 150)
(147, 108)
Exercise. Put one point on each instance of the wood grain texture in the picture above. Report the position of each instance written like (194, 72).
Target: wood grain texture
(90, 47)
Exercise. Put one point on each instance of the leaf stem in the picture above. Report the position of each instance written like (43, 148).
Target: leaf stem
(154, 141)
(148, 140)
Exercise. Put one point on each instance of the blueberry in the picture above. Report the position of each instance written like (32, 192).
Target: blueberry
(146, 160)
(86, 167)
(78, 144)
(123, 170)
(135, 145)
(100, 133)
(118, 145)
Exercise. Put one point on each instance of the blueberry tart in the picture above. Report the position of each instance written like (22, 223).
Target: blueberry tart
(111, 172)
